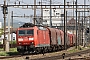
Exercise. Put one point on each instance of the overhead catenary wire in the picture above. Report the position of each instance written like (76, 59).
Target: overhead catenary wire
(21, 2)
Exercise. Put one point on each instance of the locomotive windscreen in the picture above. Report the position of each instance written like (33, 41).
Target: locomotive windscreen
(25, 32)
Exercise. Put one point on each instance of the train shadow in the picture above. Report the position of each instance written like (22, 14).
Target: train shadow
(23, 54)
(20, 54)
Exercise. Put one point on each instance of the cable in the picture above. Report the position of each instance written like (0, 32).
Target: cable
(17, 14)
(19, 11)
(16, 1)
(21, 1)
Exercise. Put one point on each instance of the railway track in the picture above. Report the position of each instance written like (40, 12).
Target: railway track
(56, 57)
(60, 56)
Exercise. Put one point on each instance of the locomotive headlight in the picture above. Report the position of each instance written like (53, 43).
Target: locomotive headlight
(20, 39)
(31, 38)
(32, 42)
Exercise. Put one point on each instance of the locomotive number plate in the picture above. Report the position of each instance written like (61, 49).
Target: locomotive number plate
(25, 38)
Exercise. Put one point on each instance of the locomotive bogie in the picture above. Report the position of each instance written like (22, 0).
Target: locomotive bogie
(25, 48)
(20, 48)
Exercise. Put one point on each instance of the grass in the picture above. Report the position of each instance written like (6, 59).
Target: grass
(13, 51)
(79, 48)
(3, 54)
(1, 49)
(1, 32)
(72, 50)
(88, 46)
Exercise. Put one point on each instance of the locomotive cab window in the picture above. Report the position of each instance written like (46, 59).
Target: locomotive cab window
(30, 32)
(21, 32)
(26, 32)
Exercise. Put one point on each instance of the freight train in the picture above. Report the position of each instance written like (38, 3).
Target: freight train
(33, 38)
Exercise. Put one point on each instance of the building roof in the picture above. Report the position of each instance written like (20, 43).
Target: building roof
(71, 22)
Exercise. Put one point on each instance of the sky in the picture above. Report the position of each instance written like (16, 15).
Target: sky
(21, 12)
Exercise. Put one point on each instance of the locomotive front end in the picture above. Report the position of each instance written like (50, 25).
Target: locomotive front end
(25, 39)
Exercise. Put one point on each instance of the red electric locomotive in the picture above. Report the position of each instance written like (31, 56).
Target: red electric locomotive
(32, 39)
